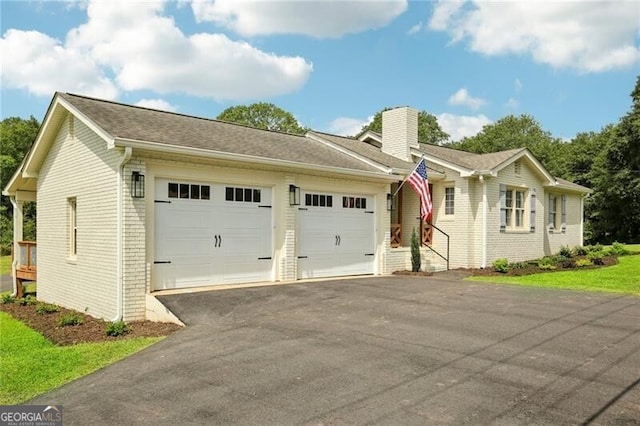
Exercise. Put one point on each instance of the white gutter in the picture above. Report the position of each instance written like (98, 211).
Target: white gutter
(485, 204)
(207, 153)
(119, 231)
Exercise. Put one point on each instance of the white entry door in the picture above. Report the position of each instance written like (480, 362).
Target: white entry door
(208, 234)
(336, 235)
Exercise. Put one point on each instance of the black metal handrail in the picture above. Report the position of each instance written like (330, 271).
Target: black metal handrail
(436, 251)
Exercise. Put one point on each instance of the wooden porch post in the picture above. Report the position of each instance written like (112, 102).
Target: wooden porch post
(18, 219)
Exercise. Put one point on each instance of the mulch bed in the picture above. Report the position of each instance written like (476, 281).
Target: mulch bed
(532, 268)
(91, 329)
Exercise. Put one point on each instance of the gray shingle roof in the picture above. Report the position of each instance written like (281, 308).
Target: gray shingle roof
(160, 127)
(574, 186)
(366, 150)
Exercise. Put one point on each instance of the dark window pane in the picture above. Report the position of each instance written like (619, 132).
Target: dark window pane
(307, 199)
(228, 194)
(195, 192)
(239, 194)
(173, 190)
(256, 195)
(315, 199)
(323, 200)
(364, 203)
(204, 192)
(358, 202)
(352, 202)
(248, 195)
(329, 201)
(184, 190)
(345, 202)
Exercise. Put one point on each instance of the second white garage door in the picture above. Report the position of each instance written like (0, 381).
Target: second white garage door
(336, 235)
(211, 234)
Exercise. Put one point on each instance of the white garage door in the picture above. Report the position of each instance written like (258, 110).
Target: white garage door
(336, 235)
(211, 234)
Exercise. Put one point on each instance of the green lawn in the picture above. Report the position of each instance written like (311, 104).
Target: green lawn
(32, 365)
(621, 278)
(5, 265)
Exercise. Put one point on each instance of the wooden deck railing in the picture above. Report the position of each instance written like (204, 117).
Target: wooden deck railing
(26, 269)
(396, 235)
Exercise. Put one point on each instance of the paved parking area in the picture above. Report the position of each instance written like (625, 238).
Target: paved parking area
(392, 351)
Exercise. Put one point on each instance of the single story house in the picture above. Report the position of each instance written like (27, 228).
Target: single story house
(133, 200)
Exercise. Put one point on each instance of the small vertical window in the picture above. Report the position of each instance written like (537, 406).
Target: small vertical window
(239, 194)
(229, 194)
(184, 190)
(256, 195)
(204, 192)
(517, 167)
(248, 195)
(173, 190)
(195, 192)
(307, 199)
(449, 201)
(73, 227)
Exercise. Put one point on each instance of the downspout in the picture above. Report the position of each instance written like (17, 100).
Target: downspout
(485, 204)
(17, 236)
(119, 231)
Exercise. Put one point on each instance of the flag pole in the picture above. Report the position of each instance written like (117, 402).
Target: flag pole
(405, 179)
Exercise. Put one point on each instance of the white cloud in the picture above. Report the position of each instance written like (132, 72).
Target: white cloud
(40, 65)
(345, 126)
(160, 104)
(512, 104)
(415, 29)
(587, 36)
(517, 84)
(460, 126)
(134, 46)
(462, 97)
(315, 18)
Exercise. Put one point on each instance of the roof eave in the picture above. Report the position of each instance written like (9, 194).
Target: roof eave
(220, 155)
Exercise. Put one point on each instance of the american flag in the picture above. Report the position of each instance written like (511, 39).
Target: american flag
(419, 182)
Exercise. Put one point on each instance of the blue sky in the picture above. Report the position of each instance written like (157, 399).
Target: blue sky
(333, 64)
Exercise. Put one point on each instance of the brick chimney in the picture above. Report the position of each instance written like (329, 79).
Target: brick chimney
(400, 132)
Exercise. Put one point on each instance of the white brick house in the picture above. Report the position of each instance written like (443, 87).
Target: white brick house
(226, 204)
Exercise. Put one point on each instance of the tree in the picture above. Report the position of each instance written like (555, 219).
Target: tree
(512, 132)
(16, 137)
(263, 115)
(429, 130)
(616, 180)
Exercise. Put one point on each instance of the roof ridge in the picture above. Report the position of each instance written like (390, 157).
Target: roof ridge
(180, 114)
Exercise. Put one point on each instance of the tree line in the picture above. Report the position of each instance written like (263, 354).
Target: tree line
(607, 161)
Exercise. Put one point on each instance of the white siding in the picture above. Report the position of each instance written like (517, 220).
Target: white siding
(80, 167)
(515, 245)
(572, 236)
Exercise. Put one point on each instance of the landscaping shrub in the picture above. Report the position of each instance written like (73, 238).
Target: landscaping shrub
(26, 301)
(547, 263)
(580, 251)
(72, 318)
(8, 298)
(518, 265)
(47, 308)
(117, 328)
(596, 257)
(592, 248)
(416, 261)
(580, 263)
(565, 252)
(618, 249)
(501, 265)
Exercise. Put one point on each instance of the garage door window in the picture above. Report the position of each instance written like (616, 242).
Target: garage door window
(246, 195)
(354, 202)
(187, 191)
(318, 200)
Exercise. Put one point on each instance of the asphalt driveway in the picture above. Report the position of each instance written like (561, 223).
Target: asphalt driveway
(393, 351)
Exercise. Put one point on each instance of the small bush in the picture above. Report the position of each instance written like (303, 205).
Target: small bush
(518, 265)
(580, 251)
(501, 265)
(8, 298)
(618, 249)
(592, 248)
(117, 328)
(568, 264)
(581, 263)
(47, 308)
(596, 257)
(26, 301)
(72, 318)
(416, 260)
(565, 252)
(547, 263)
